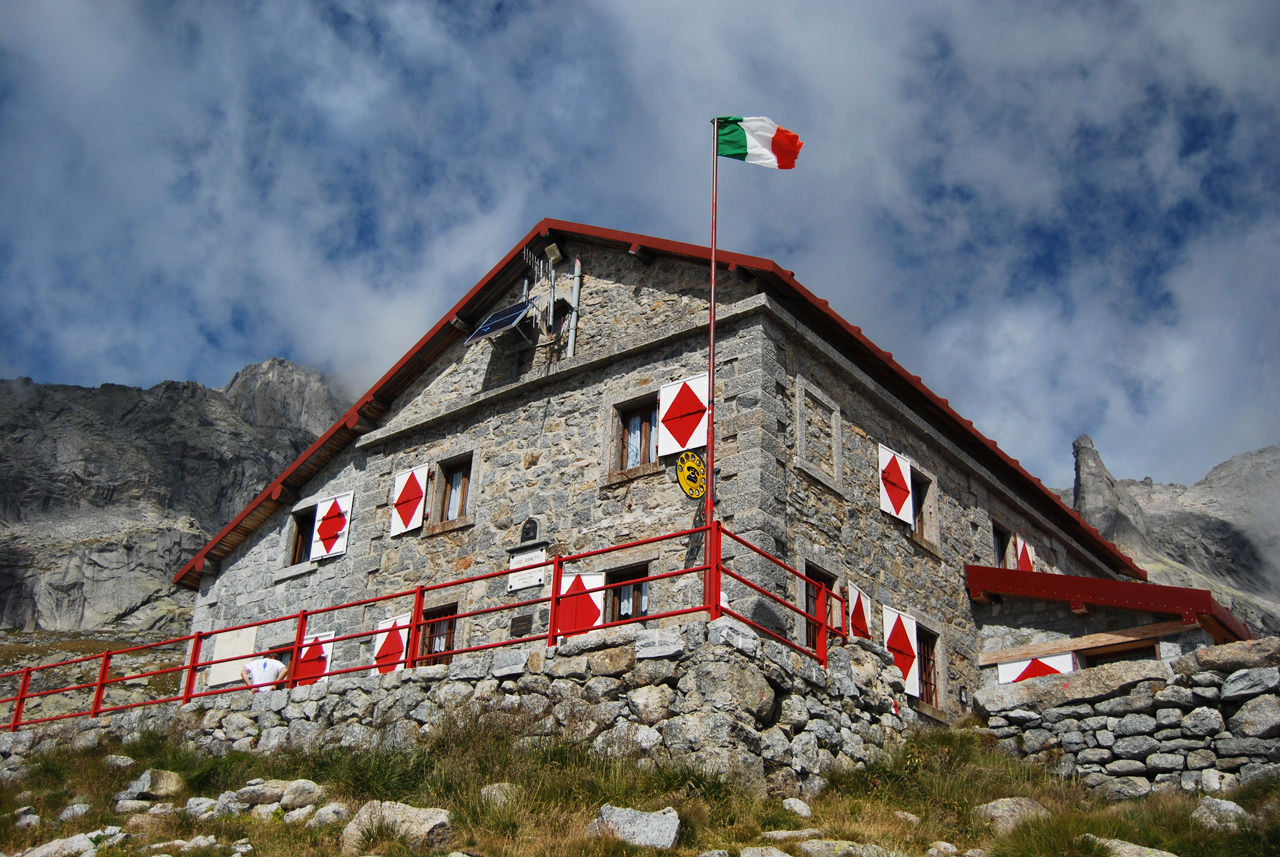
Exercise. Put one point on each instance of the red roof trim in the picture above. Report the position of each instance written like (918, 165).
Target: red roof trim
(374, 403)
(1079, 592)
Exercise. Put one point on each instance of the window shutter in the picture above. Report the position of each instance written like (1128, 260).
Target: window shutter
(1024, 555)
(859, 613)
(389, 644)
(333, 522)
(408, 500)
(900, 640)
(895, 485)
(682, 415)
(579, 610)
(1015, 671)
(317, 654)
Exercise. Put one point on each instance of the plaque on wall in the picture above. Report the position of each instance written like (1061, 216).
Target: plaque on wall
(529, 577)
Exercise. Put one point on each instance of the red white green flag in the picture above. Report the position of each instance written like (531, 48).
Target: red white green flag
(757, 140)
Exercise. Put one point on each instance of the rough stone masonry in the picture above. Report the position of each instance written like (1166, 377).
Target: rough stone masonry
(711, 694)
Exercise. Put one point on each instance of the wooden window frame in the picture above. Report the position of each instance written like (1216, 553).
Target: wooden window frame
(438, 622)
(1002, 539)
(304, 525)
(826, 578)
(614, 595)
(448, 469)
(647, 410)
(927, 652)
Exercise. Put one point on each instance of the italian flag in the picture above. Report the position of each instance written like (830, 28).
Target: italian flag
(756, 140)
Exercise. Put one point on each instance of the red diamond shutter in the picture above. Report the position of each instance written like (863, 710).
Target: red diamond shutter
(682, 415)
(333, 522)
(900, 640)
(895, 485)
(389, 644)
(408, 499)
(859, 613)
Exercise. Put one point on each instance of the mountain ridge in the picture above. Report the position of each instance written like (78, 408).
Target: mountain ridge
(104, 491)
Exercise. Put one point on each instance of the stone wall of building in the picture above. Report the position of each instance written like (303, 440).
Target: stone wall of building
(798, 425)
(711, 694)
(1208, 720)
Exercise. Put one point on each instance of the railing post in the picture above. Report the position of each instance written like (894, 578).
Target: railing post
(823, 620)
(296, 659)
(413, 637)
(23, 687)
(100, 689)
(189, 685)
(557, 575)
(711, 579)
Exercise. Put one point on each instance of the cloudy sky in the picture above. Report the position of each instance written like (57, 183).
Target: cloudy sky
(1064, 217)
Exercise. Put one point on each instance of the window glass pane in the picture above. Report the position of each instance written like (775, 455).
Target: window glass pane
(635, 425)
(455, 495)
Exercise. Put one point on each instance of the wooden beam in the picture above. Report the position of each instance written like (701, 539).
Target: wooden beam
(1091, 641)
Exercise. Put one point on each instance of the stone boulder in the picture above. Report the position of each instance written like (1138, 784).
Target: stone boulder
(1055, 691)
(1005, 814)
(643, 829)
(427, 829)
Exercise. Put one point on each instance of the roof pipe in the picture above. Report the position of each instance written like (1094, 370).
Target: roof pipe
(574, 297)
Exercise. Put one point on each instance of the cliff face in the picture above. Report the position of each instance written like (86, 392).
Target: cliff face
(104, 492)
(1222, 533)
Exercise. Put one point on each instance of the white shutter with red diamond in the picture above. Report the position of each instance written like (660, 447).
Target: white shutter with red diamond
(315, 661)
(682, 415)
(900, 640)
(579, 610)
(408, 500)
(859, 613)
(1024, 555)
(1034, 667)
(333, 522)
(389, 644)
(895, 485)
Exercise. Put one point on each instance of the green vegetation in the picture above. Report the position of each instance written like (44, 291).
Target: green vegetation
(940, 776)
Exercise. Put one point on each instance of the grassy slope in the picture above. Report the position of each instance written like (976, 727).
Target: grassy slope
(939, 777)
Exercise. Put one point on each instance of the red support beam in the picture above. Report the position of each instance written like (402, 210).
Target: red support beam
(1081, 593)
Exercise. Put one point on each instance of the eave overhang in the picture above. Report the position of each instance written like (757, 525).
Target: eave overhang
(1082, 593)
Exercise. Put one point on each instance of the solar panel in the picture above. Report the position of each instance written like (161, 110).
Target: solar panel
(504, 319)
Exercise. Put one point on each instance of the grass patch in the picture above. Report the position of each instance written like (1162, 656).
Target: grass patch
(557, 787)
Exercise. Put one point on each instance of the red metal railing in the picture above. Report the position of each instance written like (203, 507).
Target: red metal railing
(573, 610)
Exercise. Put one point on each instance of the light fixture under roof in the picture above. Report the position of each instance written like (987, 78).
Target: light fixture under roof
(504, 319)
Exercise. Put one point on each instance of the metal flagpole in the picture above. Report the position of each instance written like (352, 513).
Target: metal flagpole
(709, 509)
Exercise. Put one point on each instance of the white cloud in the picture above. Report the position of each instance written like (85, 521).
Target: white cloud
(1060, 218)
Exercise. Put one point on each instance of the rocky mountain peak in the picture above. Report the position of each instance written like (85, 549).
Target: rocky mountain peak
(103, 491)
(279, 394)
(1221, 534)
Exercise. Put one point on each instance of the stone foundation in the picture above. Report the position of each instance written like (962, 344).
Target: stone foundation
(1208, 721)
(710, 694)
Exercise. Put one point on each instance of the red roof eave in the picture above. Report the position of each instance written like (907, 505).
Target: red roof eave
(1082, 592)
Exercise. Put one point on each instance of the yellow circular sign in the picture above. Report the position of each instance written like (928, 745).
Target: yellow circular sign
(692, 473)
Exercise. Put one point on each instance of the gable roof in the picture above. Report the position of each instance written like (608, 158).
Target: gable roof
(780, 284)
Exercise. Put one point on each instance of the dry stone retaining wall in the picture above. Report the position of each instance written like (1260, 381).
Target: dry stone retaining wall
(712, 694)
(1207, 721)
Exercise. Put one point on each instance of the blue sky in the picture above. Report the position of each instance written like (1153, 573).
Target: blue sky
(1064, 217)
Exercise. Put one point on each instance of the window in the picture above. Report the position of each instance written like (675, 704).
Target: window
(438, 628)
(927, 644)
(819, 582)
(454, 485)
(304, 524)
(626, 600)
(638, 435)
(924, 503)
(1002, 539)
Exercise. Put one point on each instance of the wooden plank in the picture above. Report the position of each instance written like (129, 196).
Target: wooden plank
(1091, 641)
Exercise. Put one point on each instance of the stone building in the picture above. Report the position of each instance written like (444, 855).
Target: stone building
(531, 423)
